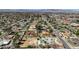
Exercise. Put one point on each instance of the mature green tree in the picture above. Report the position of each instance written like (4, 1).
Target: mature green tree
(29, 46)
(39, 28)
(0, 33)
(77, 32)
(78, 21)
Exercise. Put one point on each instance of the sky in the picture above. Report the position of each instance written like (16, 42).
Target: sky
(39, 4)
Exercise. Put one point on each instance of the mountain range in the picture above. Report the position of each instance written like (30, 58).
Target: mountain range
(42, 10)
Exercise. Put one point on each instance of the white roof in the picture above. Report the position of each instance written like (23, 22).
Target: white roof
(4, 41)
(74, 24)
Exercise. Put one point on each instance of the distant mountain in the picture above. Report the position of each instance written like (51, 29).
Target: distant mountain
(42, 10)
